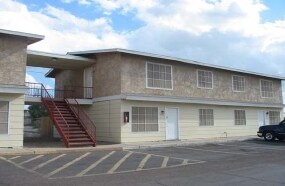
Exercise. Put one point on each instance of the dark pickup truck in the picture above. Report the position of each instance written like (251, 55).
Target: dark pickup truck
(271, 132)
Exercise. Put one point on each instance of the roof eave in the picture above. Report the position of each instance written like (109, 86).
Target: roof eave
(31, 38)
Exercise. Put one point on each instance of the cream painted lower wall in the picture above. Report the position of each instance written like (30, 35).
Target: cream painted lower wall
(16, 121)
(189, 122)
(107, 118)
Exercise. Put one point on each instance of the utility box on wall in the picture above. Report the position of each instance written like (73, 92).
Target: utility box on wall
(126, 117)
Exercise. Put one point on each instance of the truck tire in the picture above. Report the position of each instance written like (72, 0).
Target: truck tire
(268, 136)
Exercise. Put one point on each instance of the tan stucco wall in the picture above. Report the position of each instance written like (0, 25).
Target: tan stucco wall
(107, 118)
(107, 75)
(69, 78)
(189, 122)
(185, 82)
(16, 121)
(12, 60)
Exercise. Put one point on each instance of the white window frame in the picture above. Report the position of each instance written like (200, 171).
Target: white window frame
(198, 79)
(146, 77)
(260, 86)
(144, 132)
(9, 116)
(233, 83)
(236, 118)
(200, 120)
(279, 118)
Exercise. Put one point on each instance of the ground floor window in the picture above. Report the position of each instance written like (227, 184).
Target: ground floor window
(206, 117)
(274, 117)
(240, 118)
(4, 117)
(144, 119)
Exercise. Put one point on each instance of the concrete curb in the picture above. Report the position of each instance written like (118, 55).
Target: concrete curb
(126, 146)
(17, 152)
(186, 142)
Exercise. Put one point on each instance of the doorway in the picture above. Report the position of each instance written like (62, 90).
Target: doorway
(171, 124)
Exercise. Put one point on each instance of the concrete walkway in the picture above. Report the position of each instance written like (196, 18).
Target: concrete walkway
(57, 146)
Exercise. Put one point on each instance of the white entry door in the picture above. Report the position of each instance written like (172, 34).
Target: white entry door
(261, 118)
(171, 124)
(88, 76)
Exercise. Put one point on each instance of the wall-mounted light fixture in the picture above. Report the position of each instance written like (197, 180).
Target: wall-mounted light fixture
(162, 112)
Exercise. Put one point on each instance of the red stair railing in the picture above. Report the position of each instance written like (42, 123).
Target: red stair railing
(83, 118)
(46, 96)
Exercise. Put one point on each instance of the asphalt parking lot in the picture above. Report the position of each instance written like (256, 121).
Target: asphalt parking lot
(251, 162)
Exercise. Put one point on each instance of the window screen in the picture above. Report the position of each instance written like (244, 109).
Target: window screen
(206, 117)
(159, 76)
(144, 119)
(4, 117)
(205, 79)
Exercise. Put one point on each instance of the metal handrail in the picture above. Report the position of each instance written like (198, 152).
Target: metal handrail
(80, 112)
(43, 89)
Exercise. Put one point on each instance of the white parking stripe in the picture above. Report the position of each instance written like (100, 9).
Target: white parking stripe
(95, 164)
(14, 157)
(29, 160)
(117, 165)
(165, 160)
(67, 165)
(143, 162)
(47, 162)
(215, 151)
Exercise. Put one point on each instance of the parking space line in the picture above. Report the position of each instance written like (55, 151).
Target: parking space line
(94, 164)
(165, 160)
(143, 162)
(47, 162)
(252, 147)
(15, 157)
(215, 151)
(29, 160)
(67, 165)
(117, 165)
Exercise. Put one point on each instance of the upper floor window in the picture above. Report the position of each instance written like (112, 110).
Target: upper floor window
(274, 117)
(205, 79)
(238, 83)
(240, 118)
(4, 117)
(159, 76)
(266, 88)
(144, 119)
(206, 117)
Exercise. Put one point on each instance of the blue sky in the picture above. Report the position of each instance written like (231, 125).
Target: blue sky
(244, 34)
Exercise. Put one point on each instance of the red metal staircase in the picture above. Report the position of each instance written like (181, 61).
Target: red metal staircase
(72, 123)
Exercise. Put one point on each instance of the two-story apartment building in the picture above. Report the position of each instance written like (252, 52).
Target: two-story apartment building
(133, 96)
(166, 98)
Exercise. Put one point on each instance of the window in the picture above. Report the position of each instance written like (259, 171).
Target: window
(266, 88)
(206, 117)
(144, 119)
(274, 117)
(4, 116)
(159, 76)
(205, 79)
(238, 83)
(240, 118)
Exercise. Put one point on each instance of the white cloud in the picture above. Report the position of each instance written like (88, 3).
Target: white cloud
(30, 78)
(63, 31)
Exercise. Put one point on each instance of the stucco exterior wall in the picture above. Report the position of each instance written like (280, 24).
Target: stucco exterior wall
(14, 138)
(107, 118)
(12, 60)
(107, 75)
(69, 78)
(188, 123)
(133, 81)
